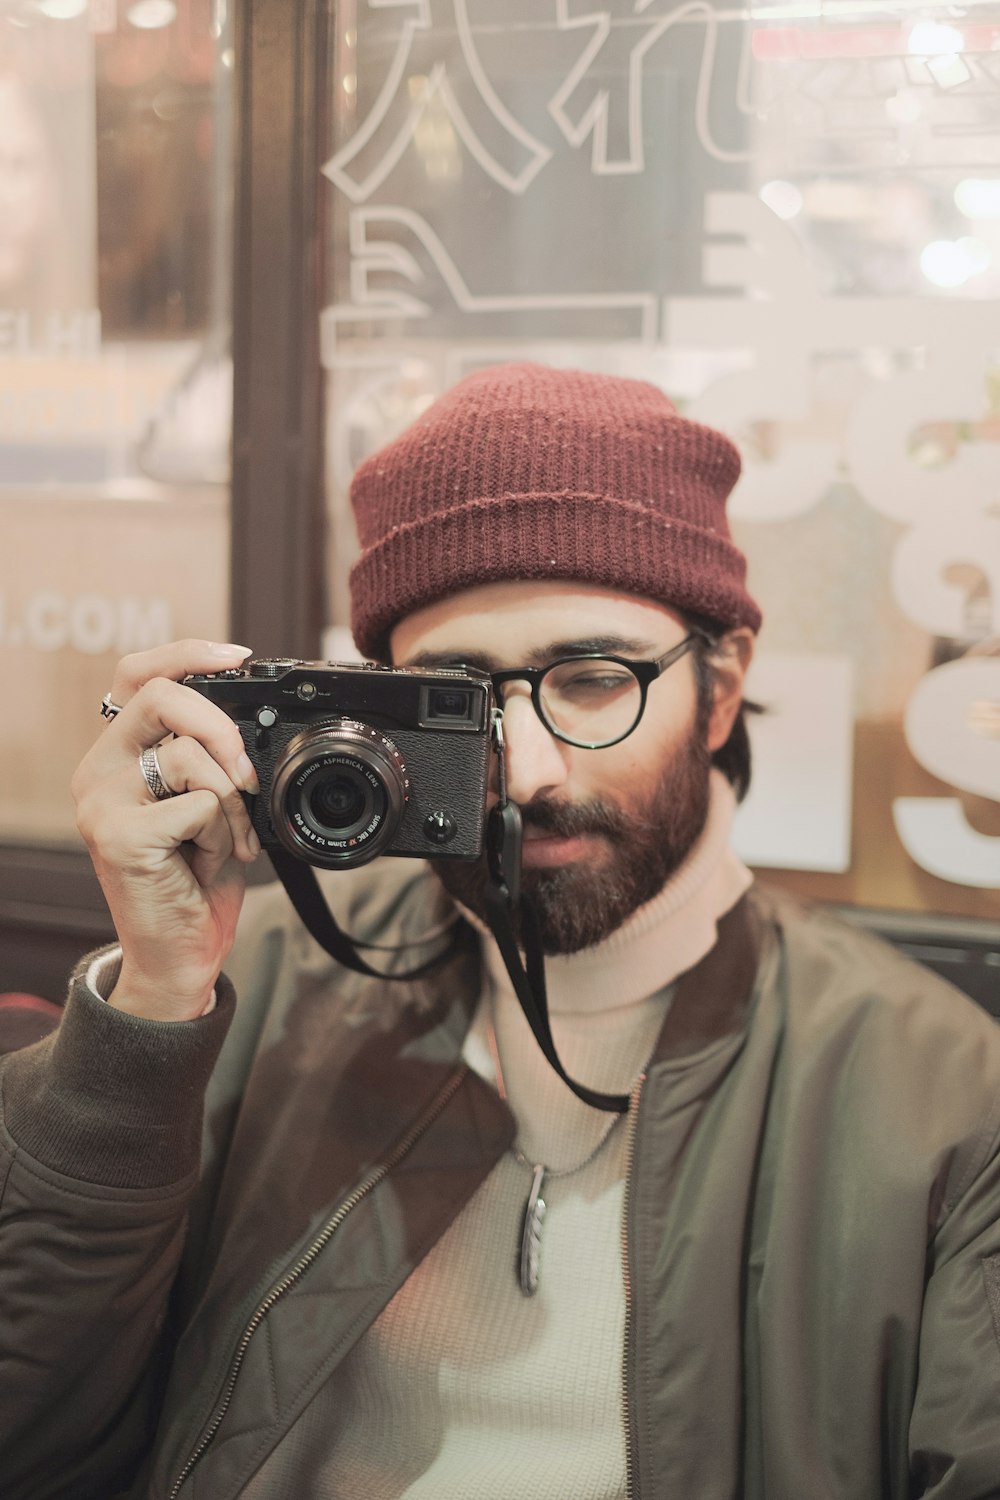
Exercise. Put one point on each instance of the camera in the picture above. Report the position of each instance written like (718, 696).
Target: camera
(358, 759)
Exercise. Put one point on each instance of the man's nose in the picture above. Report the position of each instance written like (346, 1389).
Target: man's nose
(537, 763)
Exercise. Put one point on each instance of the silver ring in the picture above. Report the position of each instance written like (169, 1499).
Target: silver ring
(109, 708)
(149, 765)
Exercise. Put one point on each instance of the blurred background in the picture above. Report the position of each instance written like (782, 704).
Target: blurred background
(243, 242)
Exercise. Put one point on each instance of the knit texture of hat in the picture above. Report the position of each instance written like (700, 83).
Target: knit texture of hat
(522, 471)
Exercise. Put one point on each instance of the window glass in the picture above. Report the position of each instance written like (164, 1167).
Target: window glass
(788, 217)
(115, 381)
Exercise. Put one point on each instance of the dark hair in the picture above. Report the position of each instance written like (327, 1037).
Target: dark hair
(733, 758)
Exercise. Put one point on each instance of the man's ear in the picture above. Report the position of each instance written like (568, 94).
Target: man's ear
(730, 660)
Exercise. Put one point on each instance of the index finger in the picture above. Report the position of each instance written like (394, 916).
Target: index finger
(177, 660)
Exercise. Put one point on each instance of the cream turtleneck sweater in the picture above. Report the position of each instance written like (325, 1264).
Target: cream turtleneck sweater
(463, 1386)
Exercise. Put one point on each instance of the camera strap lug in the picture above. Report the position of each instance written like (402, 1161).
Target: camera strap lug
(503, 826)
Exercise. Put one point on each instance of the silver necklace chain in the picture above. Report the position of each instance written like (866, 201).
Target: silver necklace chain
(533, 1213)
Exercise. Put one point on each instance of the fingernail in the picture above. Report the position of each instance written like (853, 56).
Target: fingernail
(253, 842)
(215, 649)
(247, 776)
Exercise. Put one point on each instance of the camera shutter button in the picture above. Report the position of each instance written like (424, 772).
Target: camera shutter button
(440, 827)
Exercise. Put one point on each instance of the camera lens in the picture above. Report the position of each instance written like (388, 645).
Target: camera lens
(338, 794)
(339, 800)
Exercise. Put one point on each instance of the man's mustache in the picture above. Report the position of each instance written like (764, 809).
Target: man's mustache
(571, 820)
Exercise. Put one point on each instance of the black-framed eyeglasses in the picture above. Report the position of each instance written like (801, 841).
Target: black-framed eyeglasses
(593, 700)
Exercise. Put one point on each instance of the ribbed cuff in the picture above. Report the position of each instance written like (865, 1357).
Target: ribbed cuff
(102, 973)
(113, 1099)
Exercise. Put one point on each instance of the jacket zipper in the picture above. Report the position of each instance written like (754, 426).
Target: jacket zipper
(631, 1438)
(366, 1186)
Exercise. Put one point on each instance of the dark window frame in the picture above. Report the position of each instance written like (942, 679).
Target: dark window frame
(51, 907)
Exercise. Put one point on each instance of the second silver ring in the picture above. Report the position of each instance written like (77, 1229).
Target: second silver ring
(149, 765)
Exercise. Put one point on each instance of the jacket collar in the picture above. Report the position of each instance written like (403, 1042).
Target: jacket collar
(713, 999)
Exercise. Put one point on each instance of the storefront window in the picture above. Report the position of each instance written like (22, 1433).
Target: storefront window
(115, 374)
(788, 216)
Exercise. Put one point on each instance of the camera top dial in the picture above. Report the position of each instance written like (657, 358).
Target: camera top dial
(273, 666)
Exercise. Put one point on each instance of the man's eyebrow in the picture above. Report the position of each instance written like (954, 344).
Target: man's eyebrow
(592, 645)
(432, 659)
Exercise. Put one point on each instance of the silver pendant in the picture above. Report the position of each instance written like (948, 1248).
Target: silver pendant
(531, 1235)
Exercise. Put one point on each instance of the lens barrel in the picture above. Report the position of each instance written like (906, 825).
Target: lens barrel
(338, 794)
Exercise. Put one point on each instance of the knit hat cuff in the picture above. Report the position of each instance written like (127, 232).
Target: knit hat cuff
(526, 536)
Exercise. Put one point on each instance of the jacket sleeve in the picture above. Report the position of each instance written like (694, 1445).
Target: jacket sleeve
(955, 1422)
(100, 1127)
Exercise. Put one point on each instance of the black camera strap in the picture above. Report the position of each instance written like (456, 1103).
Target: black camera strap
(503, 899)
(503, 835)
(527, 976)
(307, 897)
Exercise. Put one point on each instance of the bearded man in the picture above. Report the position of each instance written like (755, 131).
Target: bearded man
(412, 1261)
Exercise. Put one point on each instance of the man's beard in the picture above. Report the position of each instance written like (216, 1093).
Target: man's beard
(580, 904)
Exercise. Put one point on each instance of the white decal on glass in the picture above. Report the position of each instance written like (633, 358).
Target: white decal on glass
(613, 112)
(506, 151)
(423, 261)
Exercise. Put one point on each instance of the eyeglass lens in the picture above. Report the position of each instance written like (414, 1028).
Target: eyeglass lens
(591, 701)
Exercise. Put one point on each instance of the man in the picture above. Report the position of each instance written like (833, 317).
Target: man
(776, 1275)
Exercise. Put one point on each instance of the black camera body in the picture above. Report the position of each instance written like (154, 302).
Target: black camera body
(356, 759)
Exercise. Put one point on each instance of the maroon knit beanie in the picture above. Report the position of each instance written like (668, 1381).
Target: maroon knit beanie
(525, 472)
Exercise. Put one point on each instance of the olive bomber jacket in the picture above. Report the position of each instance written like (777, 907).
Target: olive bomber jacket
(813, 1216)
